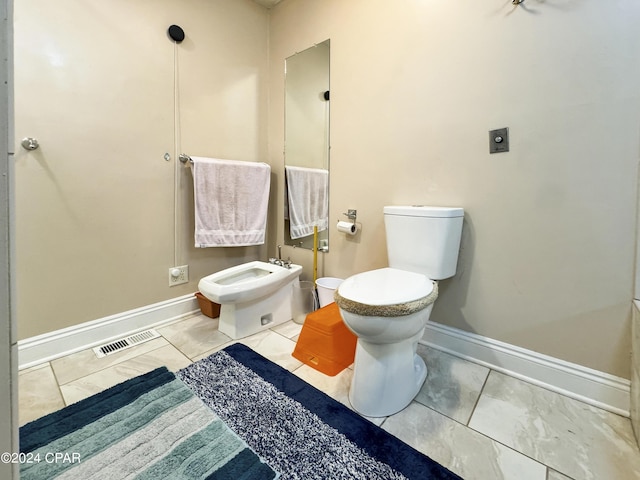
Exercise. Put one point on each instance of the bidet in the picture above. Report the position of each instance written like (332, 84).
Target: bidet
(253, 296)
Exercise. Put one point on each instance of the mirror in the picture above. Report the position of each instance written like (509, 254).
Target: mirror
(306, 149)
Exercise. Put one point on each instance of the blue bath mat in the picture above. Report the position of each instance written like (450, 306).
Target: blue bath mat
(150, 427)
(297, 429)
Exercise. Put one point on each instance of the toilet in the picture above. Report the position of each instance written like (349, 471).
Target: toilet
(388, 308)
(253, 296)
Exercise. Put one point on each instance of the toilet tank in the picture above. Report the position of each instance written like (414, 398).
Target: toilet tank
(424, 239)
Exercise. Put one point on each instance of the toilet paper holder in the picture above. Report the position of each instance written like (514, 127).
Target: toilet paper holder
(351, 215)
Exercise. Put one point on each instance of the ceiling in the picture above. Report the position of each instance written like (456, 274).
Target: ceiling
(267, 3)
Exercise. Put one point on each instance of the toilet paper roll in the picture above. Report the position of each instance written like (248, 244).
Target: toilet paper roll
(349, 228)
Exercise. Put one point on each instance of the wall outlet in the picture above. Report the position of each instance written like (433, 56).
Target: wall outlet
(178, 275)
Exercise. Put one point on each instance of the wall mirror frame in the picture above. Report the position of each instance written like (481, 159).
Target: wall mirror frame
(306, 147)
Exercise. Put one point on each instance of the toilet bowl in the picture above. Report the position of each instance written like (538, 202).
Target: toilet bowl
(388, 308)
(253, 296)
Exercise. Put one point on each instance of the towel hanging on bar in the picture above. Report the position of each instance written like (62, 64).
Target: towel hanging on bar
(231, 199)
(307, 200)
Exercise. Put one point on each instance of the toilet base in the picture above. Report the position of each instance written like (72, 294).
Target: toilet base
(238, 320)
(386, 377)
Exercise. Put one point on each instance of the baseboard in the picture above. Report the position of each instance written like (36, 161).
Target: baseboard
(596, 388)
(593, 387)
(49, 346)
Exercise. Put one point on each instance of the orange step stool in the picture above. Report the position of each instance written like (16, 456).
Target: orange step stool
(325, 343)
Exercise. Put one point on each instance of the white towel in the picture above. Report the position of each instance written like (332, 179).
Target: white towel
(308, 202)
(231, 200)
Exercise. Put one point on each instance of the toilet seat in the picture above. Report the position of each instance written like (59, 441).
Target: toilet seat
(386, 292)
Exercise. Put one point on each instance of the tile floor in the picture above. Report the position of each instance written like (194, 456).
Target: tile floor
(479, 423)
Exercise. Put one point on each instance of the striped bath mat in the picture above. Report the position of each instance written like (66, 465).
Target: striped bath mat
(234, 415)
(150, 427)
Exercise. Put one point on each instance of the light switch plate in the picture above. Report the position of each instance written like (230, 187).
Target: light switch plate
(499, 140)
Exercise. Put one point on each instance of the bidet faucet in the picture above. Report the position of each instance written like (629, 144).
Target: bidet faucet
(279, 261)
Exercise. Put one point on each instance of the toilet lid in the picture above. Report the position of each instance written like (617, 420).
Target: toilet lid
(386, 286)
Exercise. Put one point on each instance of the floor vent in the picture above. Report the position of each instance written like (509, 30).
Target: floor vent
(123, 343)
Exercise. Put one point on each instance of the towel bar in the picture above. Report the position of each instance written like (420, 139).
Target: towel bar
(184, 158)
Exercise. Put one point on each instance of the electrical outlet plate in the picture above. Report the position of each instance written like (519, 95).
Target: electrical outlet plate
(178, 275)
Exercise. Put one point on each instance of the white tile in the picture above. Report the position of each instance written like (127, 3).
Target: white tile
(453, 385)
(81, 364)
(167, 356)
(467, 453)
(273, 346)
(213, 350)
(194, 335)
(337, 387)
(35, 367)
(375, 420)
(38, 393)
(553, 475)
(569, 436)
(288, 329)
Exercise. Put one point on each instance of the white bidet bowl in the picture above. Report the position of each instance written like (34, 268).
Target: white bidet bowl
(246, 282)
(253, 296)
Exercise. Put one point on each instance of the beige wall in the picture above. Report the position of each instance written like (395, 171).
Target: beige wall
(547, 260)
(95, 203)
(547, 255)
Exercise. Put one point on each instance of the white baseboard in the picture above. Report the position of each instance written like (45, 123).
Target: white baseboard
(596, 388)
(49, 346)
(587, 385)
